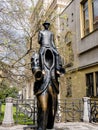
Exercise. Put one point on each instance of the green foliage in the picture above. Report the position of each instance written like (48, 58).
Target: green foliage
(6, 91)
(2, 108)
(20, 119)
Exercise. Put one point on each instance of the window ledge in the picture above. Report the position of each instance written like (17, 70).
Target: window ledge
(89, 34)
(68, 43)
(69, 64)
(84, 51)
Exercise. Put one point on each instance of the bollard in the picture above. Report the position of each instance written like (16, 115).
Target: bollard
(86, 112)
(8, 115)
(0, 106)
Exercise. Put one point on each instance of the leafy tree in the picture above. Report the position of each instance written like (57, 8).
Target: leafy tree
(14, 34)
(6, 91)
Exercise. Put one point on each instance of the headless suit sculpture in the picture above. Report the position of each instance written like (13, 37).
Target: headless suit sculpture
(46, 67)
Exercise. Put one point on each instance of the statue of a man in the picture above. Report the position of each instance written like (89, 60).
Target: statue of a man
(47, 65)
(46, 39)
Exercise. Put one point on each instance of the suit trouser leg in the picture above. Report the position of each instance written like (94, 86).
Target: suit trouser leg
(52, 111)
(42, 111)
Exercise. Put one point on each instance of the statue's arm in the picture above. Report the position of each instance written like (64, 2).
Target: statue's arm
(53, 43)
(39, 37)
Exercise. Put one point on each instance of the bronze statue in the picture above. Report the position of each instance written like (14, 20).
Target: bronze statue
(46, 67)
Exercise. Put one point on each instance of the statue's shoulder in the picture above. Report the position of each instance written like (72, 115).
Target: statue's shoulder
(51, 33)
(45, 32)
(41, 31)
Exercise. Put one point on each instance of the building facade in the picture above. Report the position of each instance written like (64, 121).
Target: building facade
(75, 25)
(79, 38)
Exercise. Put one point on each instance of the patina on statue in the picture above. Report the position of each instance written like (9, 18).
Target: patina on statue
(46, 67)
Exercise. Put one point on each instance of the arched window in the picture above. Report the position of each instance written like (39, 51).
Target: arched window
(68, 37)
(69, 50)
(69, 87)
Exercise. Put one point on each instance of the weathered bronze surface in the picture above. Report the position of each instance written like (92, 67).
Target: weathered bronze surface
(46, 67)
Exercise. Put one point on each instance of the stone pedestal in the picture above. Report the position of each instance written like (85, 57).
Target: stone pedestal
(86, 112)
(8, 115)
(51, 129)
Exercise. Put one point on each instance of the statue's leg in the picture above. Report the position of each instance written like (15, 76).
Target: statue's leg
(42, 111)
(41, 57)
(52, 110)
(57, 59)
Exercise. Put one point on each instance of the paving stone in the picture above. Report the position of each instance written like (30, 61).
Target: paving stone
(59, 126)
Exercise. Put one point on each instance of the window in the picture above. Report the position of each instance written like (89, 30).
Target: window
(89, 16)
(95, 13)
(96, 83)
(69, 55)
(67, 22)
(62, 26)
(86, 18)
(92, 84)
(68, 37)
(69, 87)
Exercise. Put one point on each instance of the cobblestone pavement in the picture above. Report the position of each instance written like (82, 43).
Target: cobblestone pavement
(76, 126)
(59, 126)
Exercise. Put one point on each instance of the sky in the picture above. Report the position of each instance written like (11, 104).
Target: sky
(35, 2)
(29, 2)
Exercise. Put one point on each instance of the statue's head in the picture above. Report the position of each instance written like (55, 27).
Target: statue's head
(46, 24)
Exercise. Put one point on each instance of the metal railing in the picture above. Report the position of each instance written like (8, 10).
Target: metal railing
(26, 111)
(69, 110)
(94, 110)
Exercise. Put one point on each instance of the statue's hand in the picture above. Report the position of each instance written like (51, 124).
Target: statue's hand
(58, 72)
(43, 72)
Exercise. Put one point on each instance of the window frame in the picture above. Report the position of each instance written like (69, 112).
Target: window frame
(90, 16)
(68, 37)
(69, 87)
(90, 85)
(96, 20)
(85, 10)
(96, 78)
(93, 83)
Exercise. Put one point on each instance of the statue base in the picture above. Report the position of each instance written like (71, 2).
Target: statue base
(51, 129)
(59, 129)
